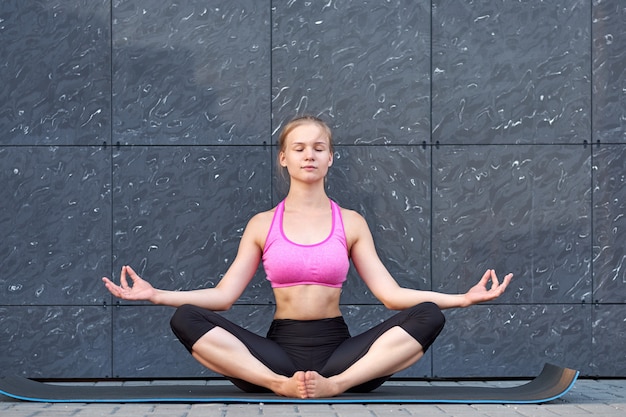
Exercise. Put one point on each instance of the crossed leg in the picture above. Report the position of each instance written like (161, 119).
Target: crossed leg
(225, 354)
(393, 351)
(365, 360)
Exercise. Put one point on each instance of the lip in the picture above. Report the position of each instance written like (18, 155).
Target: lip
(309, 167)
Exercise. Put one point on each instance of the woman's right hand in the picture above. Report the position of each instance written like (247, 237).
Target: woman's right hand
(139, 291)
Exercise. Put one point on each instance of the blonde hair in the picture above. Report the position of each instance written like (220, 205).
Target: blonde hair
(300, 120)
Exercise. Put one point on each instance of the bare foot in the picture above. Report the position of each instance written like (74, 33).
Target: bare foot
(318, 386)
(294, 387)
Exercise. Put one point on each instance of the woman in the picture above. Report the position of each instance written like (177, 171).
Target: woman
(305, 244)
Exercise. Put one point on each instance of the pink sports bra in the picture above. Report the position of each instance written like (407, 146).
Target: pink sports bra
(287, 263)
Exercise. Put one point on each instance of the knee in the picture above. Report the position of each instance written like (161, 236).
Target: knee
(429, 315)
(425, 323)
(435, 315)
(190, 322)
(187, 318)
(181, 317)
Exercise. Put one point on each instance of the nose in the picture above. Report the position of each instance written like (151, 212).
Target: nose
(309, 153)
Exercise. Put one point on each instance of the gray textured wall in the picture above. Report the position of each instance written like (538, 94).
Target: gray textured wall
(469, 134)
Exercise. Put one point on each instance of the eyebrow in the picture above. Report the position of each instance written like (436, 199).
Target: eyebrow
(321, 142)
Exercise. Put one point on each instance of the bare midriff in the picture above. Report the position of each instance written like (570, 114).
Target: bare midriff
(307, 302)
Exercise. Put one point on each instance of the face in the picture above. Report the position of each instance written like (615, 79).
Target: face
(306, 153)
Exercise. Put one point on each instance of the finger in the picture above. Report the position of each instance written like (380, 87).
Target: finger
(507, 280)
(123, 280)
(494, 279)
(485, 278)
(110, 285)
(133, 275)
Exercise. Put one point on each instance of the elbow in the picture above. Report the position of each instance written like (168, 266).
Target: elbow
(395, 298)
(398, 300)
(222, 300)
(223, 306)
(393, 306)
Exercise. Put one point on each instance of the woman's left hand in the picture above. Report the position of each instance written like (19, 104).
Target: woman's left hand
(480, 293)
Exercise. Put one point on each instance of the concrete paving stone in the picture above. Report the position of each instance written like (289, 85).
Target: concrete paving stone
(499, 412)
(27, 407)
(430, 410)
(5, 405)
(303, 409)
(277, 409)
(397, 410)
(498, 409)
(98, 410)
(345, 410)
(137, 409)
(247, 410)
(208, 410)
(601, 409)
(464, 410)
(18, 413)
(315, 410)
(533, 410)
(170, 410)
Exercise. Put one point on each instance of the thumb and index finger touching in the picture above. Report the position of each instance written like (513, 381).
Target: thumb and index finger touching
(117, 289)
(127, 270)
(490, 275)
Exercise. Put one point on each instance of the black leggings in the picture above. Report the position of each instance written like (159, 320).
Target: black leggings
(323, 345)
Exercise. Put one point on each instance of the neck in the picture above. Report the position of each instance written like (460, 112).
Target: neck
(298, 197)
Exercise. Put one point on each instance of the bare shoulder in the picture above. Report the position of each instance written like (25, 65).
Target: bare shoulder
(351, 217)
(354, 225)
(261, 221)
(259, 225)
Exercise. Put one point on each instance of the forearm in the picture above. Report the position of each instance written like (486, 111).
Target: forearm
(404, 298)
(401, 298)
(209, 298)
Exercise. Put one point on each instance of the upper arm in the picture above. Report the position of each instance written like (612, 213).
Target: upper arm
(366, 260)
(246, 262)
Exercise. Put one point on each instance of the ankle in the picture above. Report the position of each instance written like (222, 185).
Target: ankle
(278, 384)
